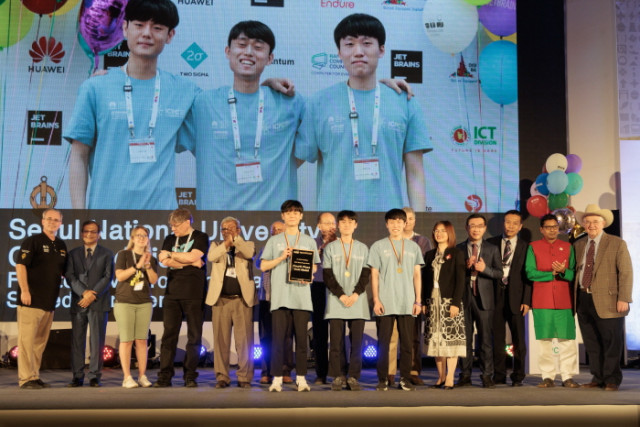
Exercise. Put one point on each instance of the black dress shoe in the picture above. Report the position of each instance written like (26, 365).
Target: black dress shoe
(487, 382)
(161, 384)
(447, 387)
(436, 385)
(31, 385)
(42, 383)
(222, 384)
(75, 383)
(464, 382)
(190, 383)
(516, 384)
(94, 382)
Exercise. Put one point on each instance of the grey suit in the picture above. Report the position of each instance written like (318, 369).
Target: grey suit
(95, 276)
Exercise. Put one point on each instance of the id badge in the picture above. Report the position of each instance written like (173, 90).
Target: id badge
(248, 171)
(231, 272)
(138, 286)
(142, 150)
(366, 168)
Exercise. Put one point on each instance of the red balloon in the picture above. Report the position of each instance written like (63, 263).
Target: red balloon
(537, 206)
(43, 7)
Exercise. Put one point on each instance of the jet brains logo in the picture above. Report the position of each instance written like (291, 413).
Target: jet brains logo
(42, 48)
(194, 55)
(406, 64)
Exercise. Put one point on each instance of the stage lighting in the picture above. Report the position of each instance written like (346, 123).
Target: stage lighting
(13, 356)
(509, 349)
(203, 351)
(370, 352)
(109, 356)
(257, 352)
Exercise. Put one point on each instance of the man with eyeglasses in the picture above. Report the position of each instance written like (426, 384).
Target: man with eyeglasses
(183, 253)
(89, 273)
(484, 268)
(550, 265)
(39, 268)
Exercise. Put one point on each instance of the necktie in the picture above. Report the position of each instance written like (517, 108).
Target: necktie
(505, 258)
(588, 268)
(474, 273)
(89, 255)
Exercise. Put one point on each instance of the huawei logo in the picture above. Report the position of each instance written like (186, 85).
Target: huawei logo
(43, 48)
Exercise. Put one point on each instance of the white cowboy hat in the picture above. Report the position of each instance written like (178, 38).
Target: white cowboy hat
(594, 209)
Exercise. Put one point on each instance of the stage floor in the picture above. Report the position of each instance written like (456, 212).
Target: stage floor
(182, 406)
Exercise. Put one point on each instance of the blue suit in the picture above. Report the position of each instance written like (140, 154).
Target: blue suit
(82, 276)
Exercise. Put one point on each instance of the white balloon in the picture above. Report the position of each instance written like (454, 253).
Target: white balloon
(451, 25)
(556, 161)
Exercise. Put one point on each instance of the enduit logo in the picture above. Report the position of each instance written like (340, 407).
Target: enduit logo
(42, 48)
(337, 4)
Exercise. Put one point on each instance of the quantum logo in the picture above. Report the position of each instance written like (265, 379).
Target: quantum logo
(42, 48)
(459, 135)
(473, 203)
(395, 2)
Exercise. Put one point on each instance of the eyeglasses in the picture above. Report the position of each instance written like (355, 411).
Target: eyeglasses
(228, 230)
(177, 224)
(140, 236)
(52, 219)
(551, 227)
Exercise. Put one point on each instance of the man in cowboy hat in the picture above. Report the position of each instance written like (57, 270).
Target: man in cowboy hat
(602, 295)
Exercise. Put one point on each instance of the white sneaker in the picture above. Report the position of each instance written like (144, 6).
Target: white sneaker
(129, 382)
(276, 384)
(144, 381)
(301, 382)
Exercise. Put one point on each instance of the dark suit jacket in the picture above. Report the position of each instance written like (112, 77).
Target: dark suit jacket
(97, 277)
(612, 275)
(519, 285)
(451, 279)
(487, 279)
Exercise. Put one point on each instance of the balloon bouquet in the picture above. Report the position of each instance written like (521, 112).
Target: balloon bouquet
(100, 27)
(551, 190)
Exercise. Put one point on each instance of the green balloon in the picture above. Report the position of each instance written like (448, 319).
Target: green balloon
(478, 2)
(13, 26)
(575, 184)
(557, 201)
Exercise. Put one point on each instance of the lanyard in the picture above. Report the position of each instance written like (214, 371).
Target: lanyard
(234, 121)
(176, 245)
(398, 258)
(353, 115)
(347, 257)
(287, 240)
(128, 88)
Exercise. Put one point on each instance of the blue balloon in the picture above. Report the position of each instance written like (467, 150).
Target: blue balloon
(498, 68)
(541, 184)
(557, 181)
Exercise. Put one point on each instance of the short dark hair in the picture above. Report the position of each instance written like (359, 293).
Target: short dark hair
(360, 24)
(163, 12)
(347, 214)
(84, 224)
(473, 216)
(291, 205)
(395, 214)
(514, 212)
(548, 217)
(254, 30)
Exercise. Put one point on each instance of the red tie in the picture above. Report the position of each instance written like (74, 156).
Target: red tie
(588, 268)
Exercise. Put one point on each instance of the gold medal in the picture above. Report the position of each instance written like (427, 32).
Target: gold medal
(398, 258)
(347, 274)
(399, 270)
(347, 258)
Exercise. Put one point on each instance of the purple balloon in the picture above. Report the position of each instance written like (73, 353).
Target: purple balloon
(574, 163)
(100, 25)
(499, 17)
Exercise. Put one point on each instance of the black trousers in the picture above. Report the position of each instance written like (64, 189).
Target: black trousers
(281, 318)
(603, 341)
(483, 320)
(264, 330)
(173, 311)
(320, 328)
(337, 352)
(406, 324)
(502, 317)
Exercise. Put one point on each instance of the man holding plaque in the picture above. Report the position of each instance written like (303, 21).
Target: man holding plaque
(291, 257)
(396, 284)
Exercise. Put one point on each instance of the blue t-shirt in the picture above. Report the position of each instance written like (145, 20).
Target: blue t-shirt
(335, 259)
(213, 145)
(395, 290)
(325, 136)
(99, 120)
(285, 294)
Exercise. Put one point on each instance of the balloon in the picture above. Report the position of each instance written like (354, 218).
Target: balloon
(15, 23)
(100, 25)
(68, 7)
(477, 2)
(556, 161)
(557, 201)
(541, 184)
(450, 25)
(557, 182)
(513, 38)
(534, 190)
(574, 163)
(537, 206)
(566, 219)
(499, 17)
(498, 69)
(575, 184)
(43, 7)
